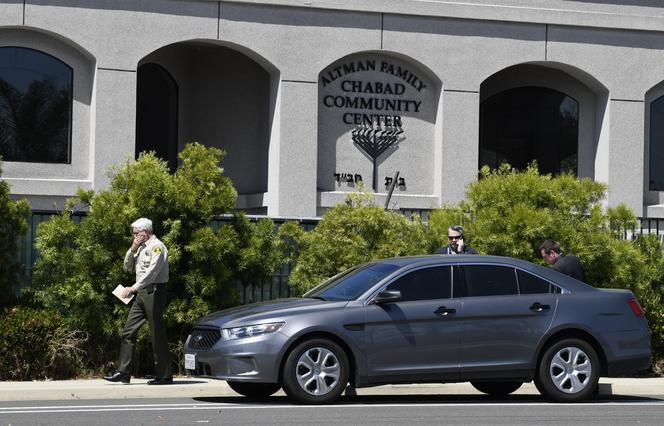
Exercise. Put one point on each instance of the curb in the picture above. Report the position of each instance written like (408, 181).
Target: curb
(186, 387)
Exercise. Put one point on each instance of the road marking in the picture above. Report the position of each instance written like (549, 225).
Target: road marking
(182, 404)
(232, 406)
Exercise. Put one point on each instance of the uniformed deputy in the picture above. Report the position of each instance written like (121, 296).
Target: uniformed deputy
(149, 258)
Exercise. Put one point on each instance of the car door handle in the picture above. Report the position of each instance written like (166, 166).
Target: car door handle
(538, 307)
(443, 311)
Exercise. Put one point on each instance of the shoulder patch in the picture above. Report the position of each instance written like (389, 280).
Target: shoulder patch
(156, 250)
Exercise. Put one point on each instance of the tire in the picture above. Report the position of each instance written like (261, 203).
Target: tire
(569, 371)
(496, 388)
(254, 390)
(315, 372)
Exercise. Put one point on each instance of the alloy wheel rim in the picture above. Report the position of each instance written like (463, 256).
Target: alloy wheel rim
(318, 371)
(570, 370)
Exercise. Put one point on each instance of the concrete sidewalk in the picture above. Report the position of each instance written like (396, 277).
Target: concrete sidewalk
(185, 387)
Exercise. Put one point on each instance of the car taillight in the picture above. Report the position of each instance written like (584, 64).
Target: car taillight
(636, 308)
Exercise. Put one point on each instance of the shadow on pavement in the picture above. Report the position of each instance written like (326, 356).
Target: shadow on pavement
(175, 382)
(187, 382)
(424, 399)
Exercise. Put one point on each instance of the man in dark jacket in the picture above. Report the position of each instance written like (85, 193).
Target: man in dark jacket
(554, 256)
(456, 244)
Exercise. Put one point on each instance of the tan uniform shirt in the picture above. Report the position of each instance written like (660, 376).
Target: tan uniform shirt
(150, 263)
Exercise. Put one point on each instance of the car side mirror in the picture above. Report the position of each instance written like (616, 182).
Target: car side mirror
(387, 296)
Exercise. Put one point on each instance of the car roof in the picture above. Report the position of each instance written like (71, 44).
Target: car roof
(547, 273)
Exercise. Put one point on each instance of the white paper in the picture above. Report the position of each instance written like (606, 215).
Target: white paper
(118, 293)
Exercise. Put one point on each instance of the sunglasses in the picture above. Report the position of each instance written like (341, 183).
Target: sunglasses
(455, 237)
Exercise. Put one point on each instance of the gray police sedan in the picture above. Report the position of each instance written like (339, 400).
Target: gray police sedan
(493, 321)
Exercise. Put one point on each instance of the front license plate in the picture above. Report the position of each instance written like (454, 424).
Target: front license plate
(190, 361)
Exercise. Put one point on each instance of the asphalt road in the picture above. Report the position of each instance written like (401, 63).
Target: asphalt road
(364, 410)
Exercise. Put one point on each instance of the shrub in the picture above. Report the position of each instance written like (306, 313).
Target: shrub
(510, 213)
(37, 344)
(13, 224)
(649, 289)
(80, 264)
(505, 213)
(349, 234)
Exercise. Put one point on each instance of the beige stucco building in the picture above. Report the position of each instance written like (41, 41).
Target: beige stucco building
(309, 97)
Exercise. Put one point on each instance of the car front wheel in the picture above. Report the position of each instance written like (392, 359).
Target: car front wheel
(496, 388)
(315, 372)
(569, 371)
(254, 390)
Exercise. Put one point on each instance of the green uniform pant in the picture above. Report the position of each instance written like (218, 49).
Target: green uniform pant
(149, 306)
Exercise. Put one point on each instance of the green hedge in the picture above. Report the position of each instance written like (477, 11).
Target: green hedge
(349, 234)
(505, 213)
(80, 263)
(510, 213)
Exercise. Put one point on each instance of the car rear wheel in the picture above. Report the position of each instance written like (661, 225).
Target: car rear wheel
(496, 388)
(254, 390)
(315, 372)
(569, 371)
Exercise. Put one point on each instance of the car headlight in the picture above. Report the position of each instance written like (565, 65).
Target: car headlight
(253, 330)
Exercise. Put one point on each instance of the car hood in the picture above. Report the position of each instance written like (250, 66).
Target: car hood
(257, 312)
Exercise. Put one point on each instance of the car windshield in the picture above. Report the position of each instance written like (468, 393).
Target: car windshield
(350, 284)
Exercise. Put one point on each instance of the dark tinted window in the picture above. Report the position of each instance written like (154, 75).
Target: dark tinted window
(349, 285)
(530, 284)
(157, 113)
(524, 124)
(457, 281)
(424, 284)
(35, 106)
(489, 280)
(657, 144)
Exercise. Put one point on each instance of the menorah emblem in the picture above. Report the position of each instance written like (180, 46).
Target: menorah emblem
(374, 141)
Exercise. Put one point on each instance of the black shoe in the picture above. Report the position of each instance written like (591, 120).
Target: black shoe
(118, 377)
(166, 381)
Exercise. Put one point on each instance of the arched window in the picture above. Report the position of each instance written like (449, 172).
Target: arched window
(524, 124)
(657, 144)
(35, 106)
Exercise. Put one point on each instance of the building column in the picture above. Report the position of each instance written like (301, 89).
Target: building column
(460, 150)
(293, 162)
(114, 123)
(626, 151)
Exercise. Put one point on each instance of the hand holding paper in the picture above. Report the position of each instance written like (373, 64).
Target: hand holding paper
(118, 293)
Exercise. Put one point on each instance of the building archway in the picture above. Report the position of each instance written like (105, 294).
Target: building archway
(656, 130)
(215, 94)
(549, 112)
(654, 151)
